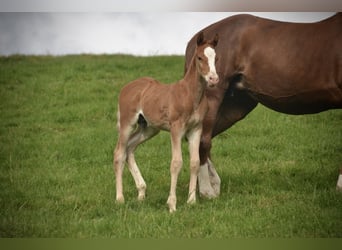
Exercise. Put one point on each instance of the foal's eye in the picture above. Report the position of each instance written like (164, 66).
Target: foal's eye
(199, 58)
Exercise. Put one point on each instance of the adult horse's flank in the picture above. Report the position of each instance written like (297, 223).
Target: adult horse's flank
(146, 107)
(293, 68)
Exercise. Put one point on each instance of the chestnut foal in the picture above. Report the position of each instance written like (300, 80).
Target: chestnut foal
(147, 106)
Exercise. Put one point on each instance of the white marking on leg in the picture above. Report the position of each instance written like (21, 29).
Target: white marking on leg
(194, 142)
(176, 165)
(139, 180)
(132, 165)
(137, 138)
(205, 188)
(120, 157)
(119, 161)
(215, 180)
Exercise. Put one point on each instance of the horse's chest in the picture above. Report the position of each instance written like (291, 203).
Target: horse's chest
(197, 116)
(194, 119)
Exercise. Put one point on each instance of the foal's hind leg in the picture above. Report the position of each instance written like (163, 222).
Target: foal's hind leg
(120, 157)
(141, 135)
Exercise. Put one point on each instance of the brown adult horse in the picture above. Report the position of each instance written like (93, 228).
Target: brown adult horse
(293, 68)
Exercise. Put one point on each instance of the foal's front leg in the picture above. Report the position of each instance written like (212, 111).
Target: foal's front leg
(194, 141)
(176, 165)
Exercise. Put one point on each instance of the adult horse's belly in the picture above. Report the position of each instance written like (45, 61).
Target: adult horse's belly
(308, 102)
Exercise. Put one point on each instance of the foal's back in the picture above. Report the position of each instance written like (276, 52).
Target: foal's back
(158, 103)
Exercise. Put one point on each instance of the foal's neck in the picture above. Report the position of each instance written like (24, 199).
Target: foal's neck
(194, 82)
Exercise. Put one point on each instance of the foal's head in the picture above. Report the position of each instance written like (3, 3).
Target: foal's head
(205, 57)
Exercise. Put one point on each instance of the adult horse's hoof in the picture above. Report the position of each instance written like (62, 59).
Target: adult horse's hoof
(208, 181)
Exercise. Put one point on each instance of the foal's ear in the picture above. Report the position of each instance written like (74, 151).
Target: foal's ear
(215, 41)
(200, 39)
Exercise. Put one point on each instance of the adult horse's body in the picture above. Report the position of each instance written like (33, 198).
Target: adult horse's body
(293, 68)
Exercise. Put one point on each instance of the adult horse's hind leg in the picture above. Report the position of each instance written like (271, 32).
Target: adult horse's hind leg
(140, 136)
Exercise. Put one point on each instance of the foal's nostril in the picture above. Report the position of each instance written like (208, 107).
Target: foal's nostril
(214, 79)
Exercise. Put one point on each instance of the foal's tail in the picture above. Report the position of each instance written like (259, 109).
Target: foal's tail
(139, 119)
(118, 119)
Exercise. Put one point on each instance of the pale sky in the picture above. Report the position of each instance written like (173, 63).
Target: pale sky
(137, 33)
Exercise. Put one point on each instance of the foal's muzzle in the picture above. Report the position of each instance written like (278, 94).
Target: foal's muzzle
(213, 79)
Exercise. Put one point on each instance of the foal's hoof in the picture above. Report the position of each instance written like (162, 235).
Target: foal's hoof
(120, 200)
(191, 202)
(191, 199)
(141, 193)
(172, 210)
(141, 197)
(172, 204)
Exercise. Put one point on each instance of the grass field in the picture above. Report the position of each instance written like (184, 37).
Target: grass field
(57, 134)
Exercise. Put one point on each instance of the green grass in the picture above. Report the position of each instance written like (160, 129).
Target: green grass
(58, 132)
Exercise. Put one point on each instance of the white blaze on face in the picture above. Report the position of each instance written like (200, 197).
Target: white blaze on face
(212, 76)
